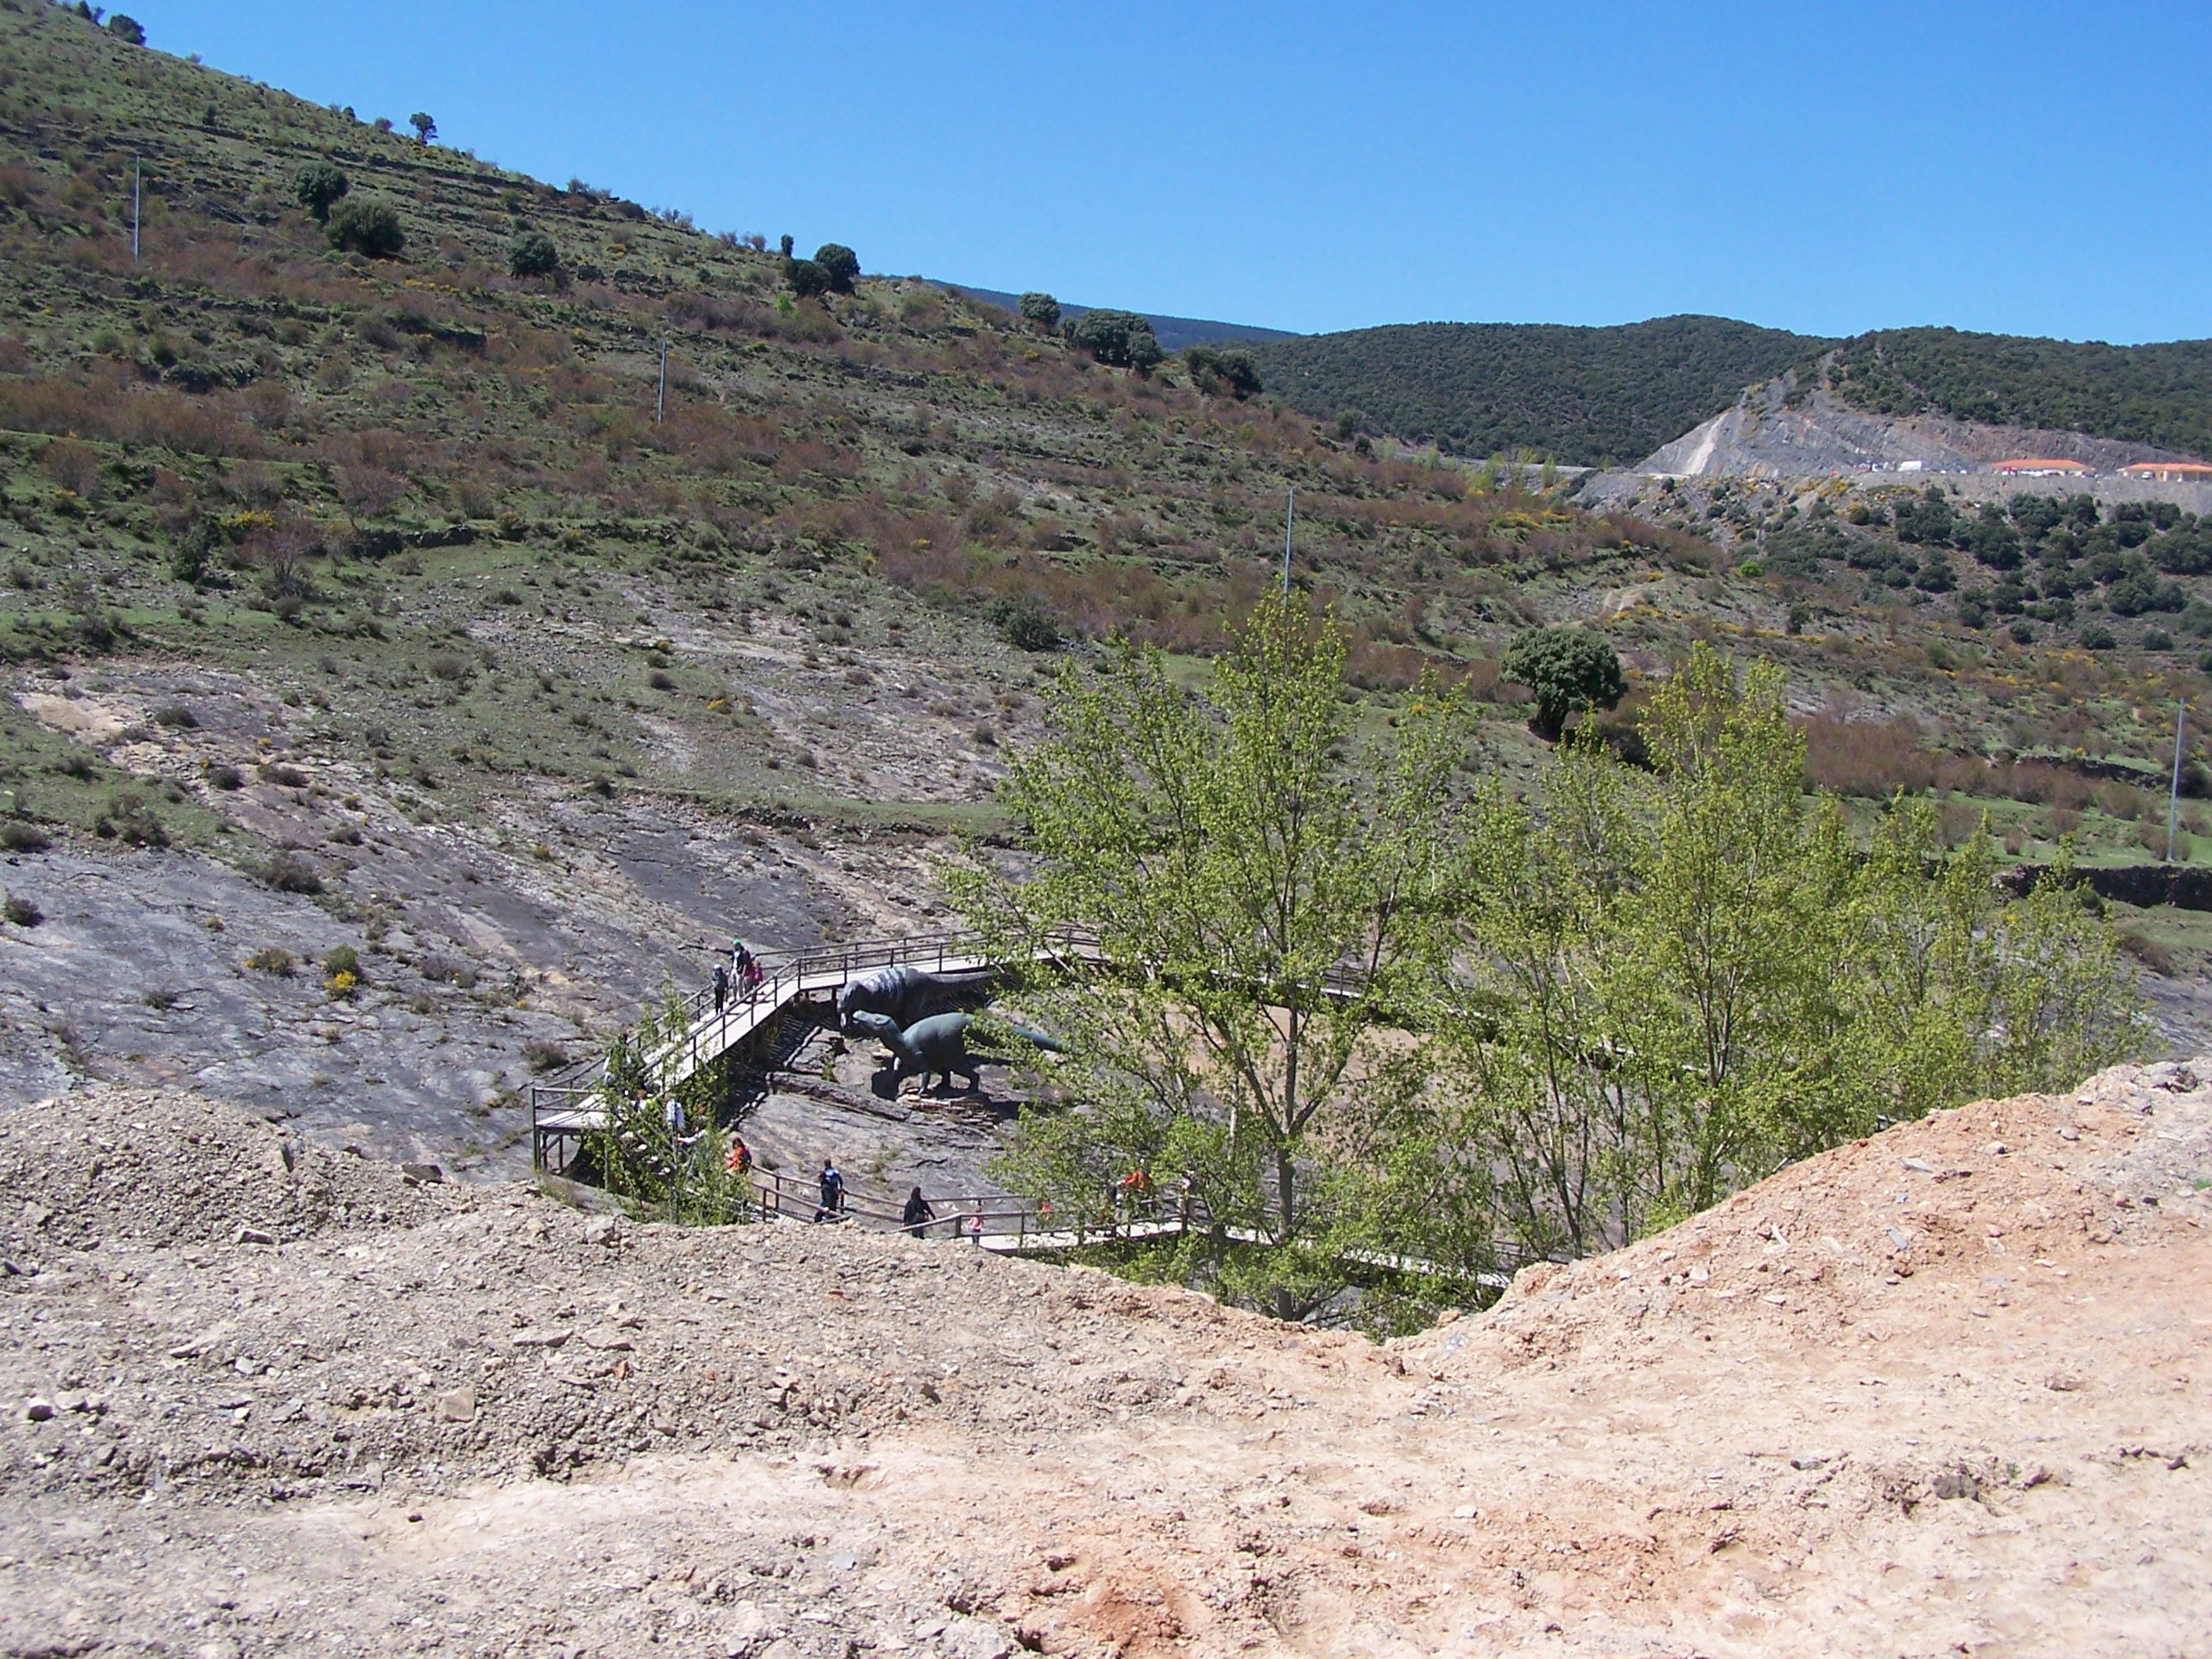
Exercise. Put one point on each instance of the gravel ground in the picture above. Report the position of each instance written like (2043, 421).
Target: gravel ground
(1942, 1390)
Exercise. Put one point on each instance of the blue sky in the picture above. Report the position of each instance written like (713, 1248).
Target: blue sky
(2025, 168)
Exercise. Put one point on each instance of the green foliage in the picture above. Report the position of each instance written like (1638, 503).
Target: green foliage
(1685, 978)
(1121, 340)
(805, 278)
(362, 224)
(1042, 309)
(1376, 1026)
(1027, 625)
(317, 185)
(533, 254)
(2154, 394)
(1238, 852)
(840, 264)
(1215, 371)
(127, 29)
(1566, 670)
(1596, 396)
(659, 1174)
(425, 128)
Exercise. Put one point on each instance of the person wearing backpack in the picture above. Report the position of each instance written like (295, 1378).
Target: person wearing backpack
(832, 1206)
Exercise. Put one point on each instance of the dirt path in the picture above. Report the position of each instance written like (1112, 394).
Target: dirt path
(1921, 1396)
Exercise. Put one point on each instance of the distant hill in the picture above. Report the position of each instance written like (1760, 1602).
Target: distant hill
(1593, 397)
(2158, 395)
(1173, 333)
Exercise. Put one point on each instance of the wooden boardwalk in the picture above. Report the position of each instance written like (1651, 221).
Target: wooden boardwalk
(566, 1107)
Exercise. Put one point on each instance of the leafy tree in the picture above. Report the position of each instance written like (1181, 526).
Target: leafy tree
(1991, 540)
(805, 278)
(317, 185)
(425, 128)
(361, 224)
(1566, 669)
(1680, 979)
(1232, 371)
(840, 264)
(533, 254)
(1244, 855)
(1121, 340)
(126, 29)
(1041, 309)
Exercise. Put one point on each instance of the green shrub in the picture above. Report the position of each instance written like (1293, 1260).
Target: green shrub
(318, 185)
(1041, 309)
(840, 264)
(21, 835)
(805, 278)
(2158, 639)
(1026, 623)
(533, 254)
(2097, 637)
(1218, 372)
(1121, 340)
(23, 912)
(1564, 669)
(361, 225)
(128, 30)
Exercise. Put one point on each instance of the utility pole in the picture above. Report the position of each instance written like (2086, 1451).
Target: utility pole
(134, 209)
(2173, 800)
(1290, 518)
(661, 404)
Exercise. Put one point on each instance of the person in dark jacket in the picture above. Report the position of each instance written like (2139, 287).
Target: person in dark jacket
(832, 1207)
(919, 1215)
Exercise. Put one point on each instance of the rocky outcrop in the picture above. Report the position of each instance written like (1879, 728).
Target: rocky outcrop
(1770, 432)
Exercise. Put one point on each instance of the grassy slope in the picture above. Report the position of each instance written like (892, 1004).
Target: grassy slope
(1593, 397)
(834, 484)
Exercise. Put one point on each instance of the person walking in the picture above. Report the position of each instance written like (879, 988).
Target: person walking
(832, 1206)
(919, 1215)
(721, 986)
(975, 1225)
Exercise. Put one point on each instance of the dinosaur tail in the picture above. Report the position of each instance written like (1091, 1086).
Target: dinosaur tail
(1050, 1045)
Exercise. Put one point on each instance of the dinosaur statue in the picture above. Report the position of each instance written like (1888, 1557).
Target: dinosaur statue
(903, 994)
(938, 1044)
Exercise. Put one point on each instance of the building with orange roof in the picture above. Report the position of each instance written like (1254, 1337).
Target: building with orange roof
(2168, 471)
(2039, 466)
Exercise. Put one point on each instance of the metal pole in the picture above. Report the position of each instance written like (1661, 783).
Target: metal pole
(134, 209)
(1290, 518)
(2173, 800)
(661, 404)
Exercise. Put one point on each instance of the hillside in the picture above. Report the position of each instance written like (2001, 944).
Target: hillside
(1584, 397)
(2159, 396)
(1173, 333)
(1940, 1390)
(1784, 428)
(361, 605)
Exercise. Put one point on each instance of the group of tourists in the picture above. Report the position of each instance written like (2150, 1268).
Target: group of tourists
(741, 974)
(832, 1205)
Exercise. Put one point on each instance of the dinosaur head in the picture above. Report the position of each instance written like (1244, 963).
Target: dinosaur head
(867, 1023)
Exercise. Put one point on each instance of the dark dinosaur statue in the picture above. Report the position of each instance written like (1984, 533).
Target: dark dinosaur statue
(938, 1044)
(904, 994)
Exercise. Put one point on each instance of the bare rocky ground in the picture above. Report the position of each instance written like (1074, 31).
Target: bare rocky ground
(499, 935)
(1941, 1391)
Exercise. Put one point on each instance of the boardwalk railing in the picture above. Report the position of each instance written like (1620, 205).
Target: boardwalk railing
(567, 1107)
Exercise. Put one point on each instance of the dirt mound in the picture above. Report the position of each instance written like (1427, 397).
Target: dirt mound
(1978, 1201)
(1943, 1390)
(158, 1167)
